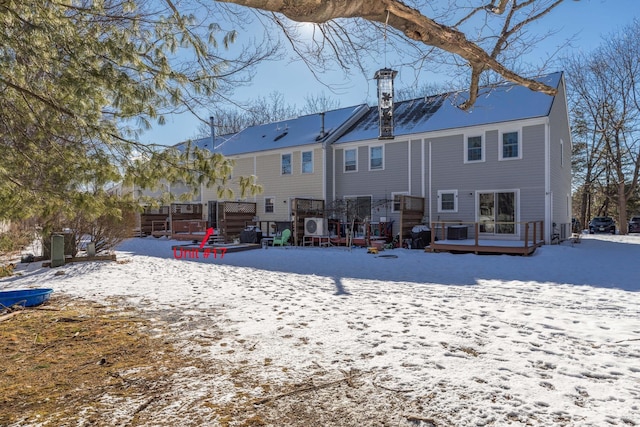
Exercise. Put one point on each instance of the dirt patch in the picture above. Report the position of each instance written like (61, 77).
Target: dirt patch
(76, 362)
(57, 361)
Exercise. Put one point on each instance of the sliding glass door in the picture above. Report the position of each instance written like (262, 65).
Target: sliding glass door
(497, 212)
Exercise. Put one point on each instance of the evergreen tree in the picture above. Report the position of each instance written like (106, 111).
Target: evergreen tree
(80, 78)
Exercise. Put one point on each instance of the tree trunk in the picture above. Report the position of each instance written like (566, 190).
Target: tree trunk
(622, 209)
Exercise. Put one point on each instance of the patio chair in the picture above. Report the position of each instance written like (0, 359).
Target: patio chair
(283, 239)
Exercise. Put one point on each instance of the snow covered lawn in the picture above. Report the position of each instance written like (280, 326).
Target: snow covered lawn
(436, 338)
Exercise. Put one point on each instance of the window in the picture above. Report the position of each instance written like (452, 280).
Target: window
(561, 153)
(376, 156)
(448, 201)
(397, 200)
(286, 164)
(307, 162)
(269, 203)
(351, 160)
(474, 150)
(510, 146)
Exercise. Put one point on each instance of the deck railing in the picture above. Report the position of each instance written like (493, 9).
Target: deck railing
(494, 235)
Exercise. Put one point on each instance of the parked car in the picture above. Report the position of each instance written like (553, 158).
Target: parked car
(602, 224)
(634, 225)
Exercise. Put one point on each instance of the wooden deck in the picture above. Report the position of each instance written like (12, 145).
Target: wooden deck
(193, 230)
(532, 233)
(230, 248)
(481, 246)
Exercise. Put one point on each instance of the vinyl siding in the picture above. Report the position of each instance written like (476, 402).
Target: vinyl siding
(449, 172)
(283, 188)
(415, 174)
(286, 187)
(560, 174)
(380, 183)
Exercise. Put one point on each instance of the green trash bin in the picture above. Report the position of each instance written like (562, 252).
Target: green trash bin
(57, 250)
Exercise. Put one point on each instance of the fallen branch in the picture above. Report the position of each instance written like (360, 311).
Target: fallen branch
(10, 315)
(145, 405)
(419, 419)
(347, 379)
(393, 389)
(631, 339)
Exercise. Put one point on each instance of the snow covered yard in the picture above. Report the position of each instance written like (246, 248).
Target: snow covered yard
(419, 339)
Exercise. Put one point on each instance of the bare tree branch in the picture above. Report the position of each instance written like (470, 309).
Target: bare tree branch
(414, 25)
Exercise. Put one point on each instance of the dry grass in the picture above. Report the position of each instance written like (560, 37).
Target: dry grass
(60, 357)
(73, 362)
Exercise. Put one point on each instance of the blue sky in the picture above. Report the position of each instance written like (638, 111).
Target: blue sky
(586, 22)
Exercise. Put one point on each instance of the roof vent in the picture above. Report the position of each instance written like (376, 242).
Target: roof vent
(282, 135)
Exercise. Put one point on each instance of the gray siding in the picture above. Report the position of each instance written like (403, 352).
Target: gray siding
(377, 183)
(449, 172)
(415, 176)
(560, 162)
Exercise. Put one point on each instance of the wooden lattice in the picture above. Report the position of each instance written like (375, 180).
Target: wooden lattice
(240, 207)
(235, 217)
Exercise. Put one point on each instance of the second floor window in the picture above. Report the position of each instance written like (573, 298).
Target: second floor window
(510, 146)
(286, 164)
(474, 149)
(307, 162)
(351, 160)
(375, 158)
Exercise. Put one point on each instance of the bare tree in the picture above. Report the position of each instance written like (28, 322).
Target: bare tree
(271, 108)
(478, 34)
(319, 103)
(605, 88)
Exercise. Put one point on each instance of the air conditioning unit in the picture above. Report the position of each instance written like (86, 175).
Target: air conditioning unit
(314, 227)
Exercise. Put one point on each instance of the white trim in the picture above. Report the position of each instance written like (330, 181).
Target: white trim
(466, 148)
(423, 184)
(344, 160)
(334, 173)
(409, 166)
(501, 134)
(455, 201)
(548, 201)
(370, 158)
(430, 187)
(324, 172)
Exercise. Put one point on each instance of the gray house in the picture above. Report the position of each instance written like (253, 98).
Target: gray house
(503, 164)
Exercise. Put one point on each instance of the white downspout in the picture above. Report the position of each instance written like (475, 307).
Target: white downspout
(430, 192)
(333, 180)
(324, 173)
(422, 175)
(548, 220)
(409, 168)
